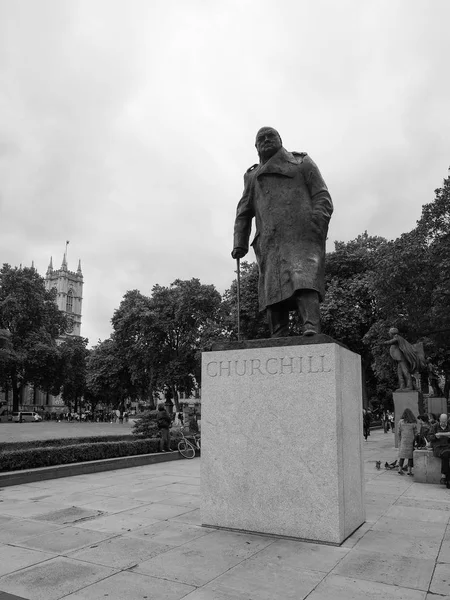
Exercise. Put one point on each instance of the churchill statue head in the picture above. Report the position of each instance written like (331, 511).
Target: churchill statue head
(268, 142)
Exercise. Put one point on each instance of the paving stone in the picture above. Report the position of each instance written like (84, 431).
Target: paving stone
(405, 527)
(440, 584)
(191, 518)
(335, 587)
(120, 552)
(109, 504)
(27, 509)
(73, 514)
(357, 535)
(132, 586)
(52, 579)
(13, 558)
(404, 545)
(181, 500)
(444, 554)
(420, 503)
(15, 530)
(171, 533)
(418, 514)
(161, 511)
(64, 540)
(256, 581)
(122, 522)
(300, 555)
(204, 559)
(391, 569)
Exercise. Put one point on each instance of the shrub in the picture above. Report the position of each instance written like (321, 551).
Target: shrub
(146, 426)
(31, 458)
(64, 442)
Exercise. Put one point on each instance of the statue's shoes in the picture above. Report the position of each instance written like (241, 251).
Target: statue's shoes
(309, 332)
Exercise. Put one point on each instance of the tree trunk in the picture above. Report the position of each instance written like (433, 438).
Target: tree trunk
(16, 393)
(175, 398)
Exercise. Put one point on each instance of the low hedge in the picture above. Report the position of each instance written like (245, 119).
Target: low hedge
(32, 458)
(65, 442)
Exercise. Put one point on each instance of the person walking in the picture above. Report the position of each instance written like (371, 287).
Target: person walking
(367, 419)
(407, 431)
(164, 421)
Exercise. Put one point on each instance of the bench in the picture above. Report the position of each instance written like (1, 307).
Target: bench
(427, 468)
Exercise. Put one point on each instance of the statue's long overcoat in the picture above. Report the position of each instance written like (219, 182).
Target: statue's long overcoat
(292, 208)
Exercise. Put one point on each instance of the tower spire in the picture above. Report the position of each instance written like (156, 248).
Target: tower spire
(79, 267)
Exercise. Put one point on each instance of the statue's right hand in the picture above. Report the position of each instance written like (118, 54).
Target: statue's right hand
(238, 253)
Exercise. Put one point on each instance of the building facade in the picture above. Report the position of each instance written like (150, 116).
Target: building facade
(69, 298)
(69, 289)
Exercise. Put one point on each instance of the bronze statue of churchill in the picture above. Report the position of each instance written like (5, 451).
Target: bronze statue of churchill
(292, 207)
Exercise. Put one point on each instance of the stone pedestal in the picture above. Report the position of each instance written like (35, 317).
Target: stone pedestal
(404, 400)
(282, 441)
(427, 468)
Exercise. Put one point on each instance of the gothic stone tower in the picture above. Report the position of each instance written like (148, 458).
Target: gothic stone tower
(69, 288)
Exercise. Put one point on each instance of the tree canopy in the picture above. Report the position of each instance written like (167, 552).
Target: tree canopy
(29, 312)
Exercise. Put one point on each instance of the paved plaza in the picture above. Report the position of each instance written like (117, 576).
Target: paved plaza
(135, 534)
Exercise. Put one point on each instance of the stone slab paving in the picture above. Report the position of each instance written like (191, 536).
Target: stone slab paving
(136, 534)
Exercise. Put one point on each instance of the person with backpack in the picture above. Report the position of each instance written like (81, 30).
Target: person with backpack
(164, 422)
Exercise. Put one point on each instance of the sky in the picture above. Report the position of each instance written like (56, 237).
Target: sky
(126, 127)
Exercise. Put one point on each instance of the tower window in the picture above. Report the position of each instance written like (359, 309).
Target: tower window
(69, 302)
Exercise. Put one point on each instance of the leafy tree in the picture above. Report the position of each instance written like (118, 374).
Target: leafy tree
(253, 323)
(29, 312)
(350, 308)
(107, 377)
(184, 314)
(74, 354)
(136, 343)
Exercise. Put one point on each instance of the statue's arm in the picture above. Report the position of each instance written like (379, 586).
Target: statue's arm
(243, 223)
(322, 203)
(389, 342)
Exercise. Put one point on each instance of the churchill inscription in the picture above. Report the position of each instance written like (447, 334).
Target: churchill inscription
(283, 365)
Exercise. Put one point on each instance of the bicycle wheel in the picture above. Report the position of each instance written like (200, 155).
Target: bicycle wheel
(186, 449)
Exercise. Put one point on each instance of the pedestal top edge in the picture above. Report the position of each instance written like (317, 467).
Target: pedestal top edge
(274, 343)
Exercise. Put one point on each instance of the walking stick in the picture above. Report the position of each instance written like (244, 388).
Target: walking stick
(238, 262)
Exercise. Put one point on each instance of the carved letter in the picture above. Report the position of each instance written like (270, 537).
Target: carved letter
(225, 368)
(255, 366)
(322, 356)
(310, 365)
(290, 365)
(267, 366)
(236, 362)
(207, 368)
(300, 358)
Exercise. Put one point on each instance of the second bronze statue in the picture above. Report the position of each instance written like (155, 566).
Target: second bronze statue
(292, 207)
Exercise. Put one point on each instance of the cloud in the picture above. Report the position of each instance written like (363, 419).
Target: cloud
(126, 127)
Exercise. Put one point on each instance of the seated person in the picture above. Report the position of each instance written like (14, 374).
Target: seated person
(440, 442)
(422, 437)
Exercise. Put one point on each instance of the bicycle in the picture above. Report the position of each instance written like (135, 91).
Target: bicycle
(197, 440)
(185, 447)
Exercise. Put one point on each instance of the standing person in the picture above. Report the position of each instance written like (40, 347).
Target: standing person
(164, 421)
(287, 196)
(386, 423)
(367, 419)
(407, 431)
(440, 442)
